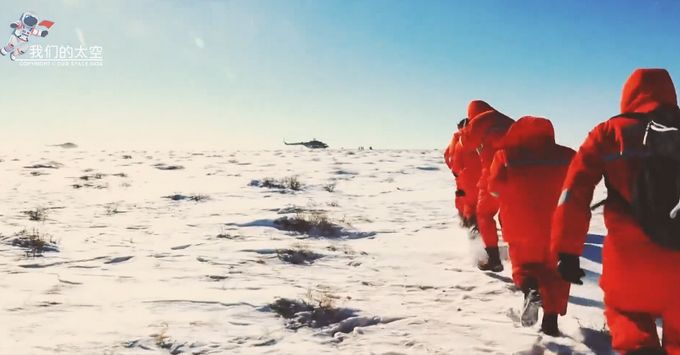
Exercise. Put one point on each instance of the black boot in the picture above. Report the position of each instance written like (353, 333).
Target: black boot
(529, 284)
(549, 325)
(494, 262)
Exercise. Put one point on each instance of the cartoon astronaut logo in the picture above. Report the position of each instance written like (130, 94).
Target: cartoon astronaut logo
(26, 27)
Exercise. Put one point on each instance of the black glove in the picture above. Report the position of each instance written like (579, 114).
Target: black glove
(569, 267)
(44, 33)
(13, 25)
(460, 193)
(467, 222)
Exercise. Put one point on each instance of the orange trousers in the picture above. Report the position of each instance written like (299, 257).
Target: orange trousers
(640, 281)
(631, 331)
(487, 207)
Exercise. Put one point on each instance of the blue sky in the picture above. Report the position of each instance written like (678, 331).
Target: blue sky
(384, 73)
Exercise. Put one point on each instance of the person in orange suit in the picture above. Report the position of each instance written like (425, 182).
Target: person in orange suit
(640, 278)
(448, 152)
(483, 135)
(527, 176)
(463, 167)
(469, 170)
(448, 156)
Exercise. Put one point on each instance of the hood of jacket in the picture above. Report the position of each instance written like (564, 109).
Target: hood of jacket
(530, 133)
(646, 90)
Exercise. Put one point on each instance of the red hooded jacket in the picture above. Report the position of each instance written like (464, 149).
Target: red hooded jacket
(467, 166)
(527, 175)
(483, 135)
(637, 275)
(477, 107)
(484, 132)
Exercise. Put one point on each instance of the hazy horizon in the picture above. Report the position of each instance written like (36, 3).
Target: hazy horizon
(151, 148)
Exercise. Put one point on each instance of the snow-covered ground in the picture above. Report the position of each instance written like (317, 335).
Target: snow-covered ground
(139, 273)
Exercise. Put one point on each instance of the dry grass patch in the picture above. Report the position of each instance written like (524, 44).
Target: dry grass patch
(112, 209)
(35, 242)
(330, 186)
(192, 197)
(298, 254)
(163, 341)
(292, 183)
(223, 234)
(289, 183)
(96, 176)
(199, 197)
(315, 309)
(310, 223)
(49, 165)
(39, 214)
(290, 209)
(343, 248)
(98, 186)
(346, 250)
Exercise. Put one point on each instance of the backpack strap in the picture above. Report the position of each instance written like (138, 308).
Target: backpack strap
(612, 195)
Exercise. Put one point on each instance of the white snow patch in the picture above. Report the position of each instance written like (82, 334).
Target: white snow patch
(180, 276)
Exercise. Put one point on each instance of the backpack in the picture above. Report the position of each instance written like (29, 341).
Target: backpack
(655, 202)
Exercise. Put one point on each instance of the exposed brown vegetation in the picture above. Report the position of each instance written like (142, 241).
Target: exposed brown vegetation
(311, 223)
(34, 241)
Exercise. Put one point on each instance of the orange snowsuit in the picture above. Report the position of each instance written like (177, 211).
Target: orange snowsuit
(527, 176)
(483, 135)
(640, 279)
(449, 156)
(467, 166)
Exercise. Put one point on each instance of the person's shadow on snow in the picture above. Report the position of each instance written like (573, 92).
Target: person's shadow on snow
(599, 341)
(592, 251)
(593, 248)
(586, 302)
